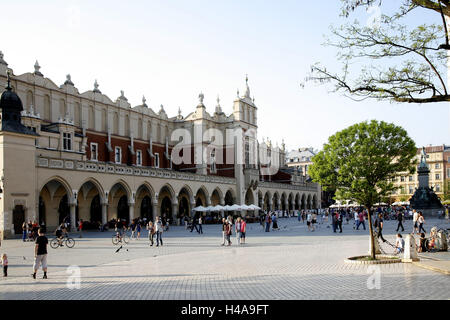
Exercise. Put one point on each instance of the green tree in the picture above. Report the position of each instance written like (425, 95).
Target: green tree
(406, 64)
(358, 162)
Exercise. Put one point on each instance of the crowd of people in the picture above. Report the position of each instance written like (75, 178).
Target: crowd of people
(331, 217)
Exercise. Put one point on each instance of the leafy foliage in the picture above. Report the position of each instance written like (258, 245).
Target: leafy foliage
(412, 61)
(359, 162)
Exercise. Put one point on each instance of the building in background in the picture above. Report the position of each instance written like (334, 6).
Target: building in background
(300, 159)
(438, 162)
(66, 154)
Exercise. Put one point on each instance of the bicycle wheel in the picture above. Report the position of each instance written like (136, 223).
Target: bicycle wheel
(126, 238)
(70, 242)
(54, 243)
(115, 240)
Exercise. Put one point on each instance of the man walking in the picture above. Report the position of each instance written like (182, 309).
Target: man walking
(400, 219)
(194, 224)
(200, 222)
(159, 230)
(268, 221)
(40, 254)
(379, 226)
(361, 221)
(339, 221)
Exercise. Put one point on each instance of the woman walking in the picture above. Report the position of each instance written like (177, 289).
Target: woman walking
(138, 230)
(243, 230)
(224, 230)
(421, 221)
(237, 228)
(151, 232)
(228, 232)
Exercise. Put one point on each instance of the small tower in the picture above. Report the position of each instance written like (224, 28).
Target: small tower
(17, 166)
(244, 108)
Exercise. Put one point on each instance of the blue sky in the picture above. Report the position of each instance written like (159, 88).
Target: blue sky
(170, 51)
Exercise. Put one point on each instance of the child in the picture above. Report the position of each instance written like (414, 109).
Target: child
(399, 243)
(5, 265)
(422, 243)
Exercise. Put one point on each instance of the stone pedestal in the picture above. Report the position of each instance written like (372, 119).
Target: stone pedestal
(410, 252)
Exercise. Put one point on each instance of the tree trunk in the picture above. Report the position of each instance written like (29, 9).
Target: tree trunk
(372, 240)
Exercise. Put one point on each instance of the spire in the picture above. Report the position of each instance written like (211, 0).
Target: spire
(179, 117)
(247, 91)
(122, 96)
(96, 87)
(201, 96)
(8, 79)
(143, 101)
(68, 80)
(36, 69)
(218, 107)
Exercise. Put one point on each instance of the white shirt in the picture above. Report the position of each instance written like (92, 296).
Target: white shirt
(309, 218)
(416, 216)
(400, 243)
(158, 226)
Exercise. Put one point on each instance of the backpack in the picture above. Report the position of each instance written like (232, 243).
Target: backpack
(376, 223)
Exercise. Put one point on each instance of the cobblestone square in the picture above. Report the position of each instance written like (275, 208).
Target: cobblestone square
(290, 263)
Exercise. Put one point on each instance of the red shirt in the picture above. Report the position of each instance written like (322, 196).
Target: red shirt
(243, 226)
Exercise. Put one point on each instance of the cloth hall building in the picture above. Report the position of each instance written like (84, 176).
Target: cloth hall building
(82, 155)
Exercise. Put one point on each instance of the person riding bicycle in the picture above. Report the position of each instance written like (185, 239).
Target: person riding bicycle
(60, 233)
(120, 229)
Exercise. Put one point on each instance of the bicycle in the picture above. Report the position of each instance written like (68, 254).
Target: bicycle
(59, 242)
(116, 238)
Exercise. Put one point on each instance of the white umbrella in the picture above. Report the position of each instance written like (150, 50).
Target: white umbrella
(210, 208)
(217, 208)
(200, 209)
(227, 208)
(246, 207)
(253, 207)
(235, 207)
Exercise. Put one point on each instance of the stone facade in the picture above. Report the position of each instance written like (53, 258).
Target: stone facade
(96, 159)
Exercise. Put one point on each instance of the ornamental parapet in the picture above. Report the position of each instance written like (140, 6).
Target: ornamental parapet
(313, 187)
(118, 169)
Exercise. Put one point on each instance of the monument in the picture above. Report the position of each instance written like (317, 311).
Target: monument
(424, 198)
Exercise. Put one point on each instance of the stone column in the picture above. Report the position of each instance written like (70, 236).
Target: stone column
(131, 211)
(155, 209)
(104, 212)
(73, 218)
(175, 213)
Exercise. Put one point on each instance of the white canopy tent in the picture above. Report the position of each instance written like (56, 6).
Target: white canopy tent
(200, 209)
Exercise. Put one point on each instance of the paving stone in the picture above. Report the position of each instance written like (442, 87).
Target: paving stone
(288, 264)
